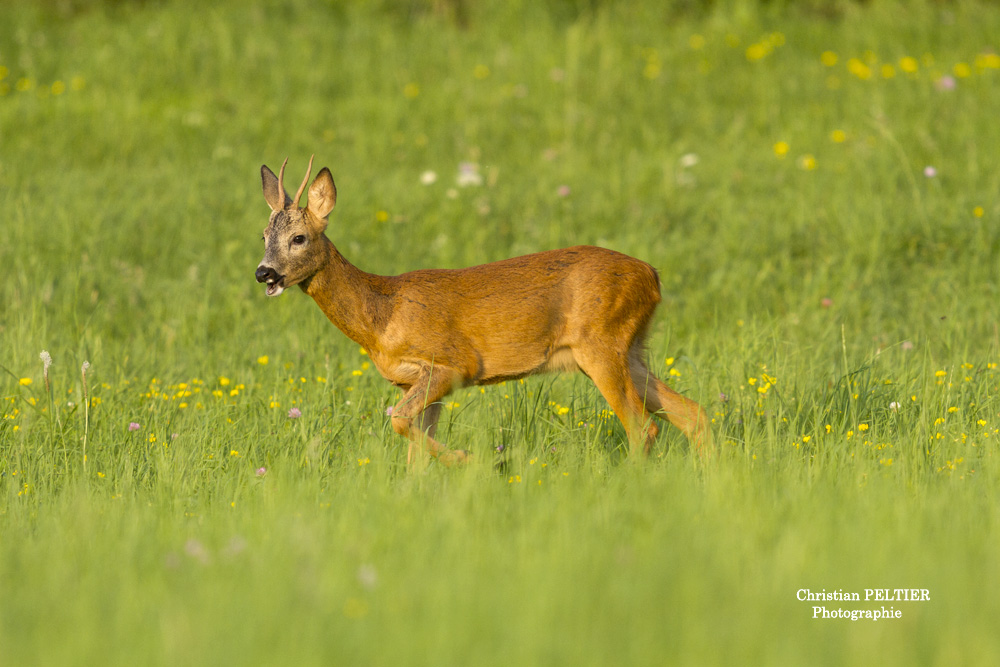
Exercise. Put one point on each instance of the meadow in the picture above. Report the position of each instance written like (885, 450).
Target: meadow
(192, 473)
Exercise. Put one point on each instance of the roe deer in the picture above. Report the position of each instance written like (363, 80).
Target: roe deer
(431, 331)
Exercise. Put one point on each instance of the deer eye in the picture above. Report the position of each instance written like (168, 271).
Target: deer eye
(299, 240)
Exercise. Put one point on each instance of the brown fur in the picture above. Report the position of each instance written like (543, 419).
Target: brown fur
(431, 331)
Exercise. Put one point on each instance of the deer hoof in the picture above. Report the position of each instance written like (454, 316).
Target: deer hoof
(454, 457)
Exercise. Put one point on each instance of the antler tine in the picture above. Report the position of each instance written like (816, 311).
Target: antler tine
(305, 180)
(281, 180)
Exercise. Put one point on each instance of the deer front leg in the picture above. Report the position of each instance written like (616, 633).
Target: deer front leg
(416, 416)
(426, 422)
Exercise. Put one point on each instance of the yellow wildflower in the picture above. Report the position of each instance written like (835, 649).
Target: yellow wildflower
(859, 69)
(908, 64)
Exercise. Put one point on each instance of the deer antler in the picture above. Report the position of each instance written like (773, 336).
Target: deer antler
(281, 180)
(305, 180)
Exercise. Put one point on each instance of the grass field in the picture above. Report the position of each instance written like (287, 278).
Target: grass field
(815, 182)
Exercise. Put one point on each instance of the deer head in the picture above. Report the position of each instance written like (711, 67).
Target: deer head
(293, 241)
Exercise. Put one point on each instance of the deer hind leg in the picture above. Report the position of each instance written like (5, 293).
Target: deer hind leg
(611, 375)
(416, 416)
(664, 402)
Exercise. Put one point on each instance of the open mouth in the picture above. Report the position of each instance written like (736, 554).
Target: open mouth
(274, 287)
(267, 275)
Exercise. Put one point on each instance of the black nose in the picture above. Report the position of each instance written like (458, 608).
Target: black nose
(265, 273)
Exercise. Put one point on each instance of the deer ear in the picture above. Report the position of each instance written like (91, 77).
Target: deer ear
(322, 195)
(273, 194)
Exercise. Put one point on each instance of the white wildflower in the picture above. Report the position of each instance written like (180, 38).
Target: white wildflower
(689, 160)
(468, 174)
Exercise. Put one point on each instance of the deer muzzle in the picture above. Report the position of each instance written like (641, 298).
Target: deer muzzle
(267, 275)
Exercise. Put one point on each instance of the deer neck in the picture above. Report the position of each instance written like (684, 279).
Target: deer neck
(358, 303)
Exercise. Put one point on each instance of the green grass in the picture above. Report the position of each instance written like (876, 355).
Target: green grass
(832, 306)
